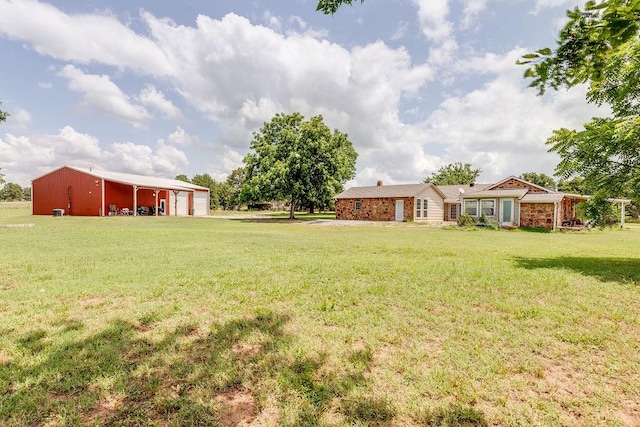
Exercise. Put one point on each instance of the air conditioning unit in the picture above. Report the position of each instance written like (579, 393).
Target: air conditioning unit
(58, 212)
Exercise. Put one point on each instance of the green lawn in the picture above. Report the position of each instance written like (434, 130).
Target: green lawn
(198, 321)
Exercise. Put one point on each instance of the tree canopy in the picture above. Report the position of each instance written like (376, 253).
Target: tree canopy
(299, 161)
(3, 115)
(599, 46)
(541, 179)
(329, 7)
(12, 192)
(454, 174)
(233, 185)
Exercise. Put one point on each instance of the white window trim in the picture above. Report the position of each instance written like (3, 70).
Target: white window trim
(424, 207)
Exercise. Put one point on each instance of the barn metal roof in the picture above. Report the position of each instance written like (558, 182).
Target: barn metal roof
(141, 180)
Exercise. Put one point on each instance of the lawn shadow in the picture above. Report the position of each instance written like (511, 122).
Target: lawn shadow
(234, 373)
(625, 270)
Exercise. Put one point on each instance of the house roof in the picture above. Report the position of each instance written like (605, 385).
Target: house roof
(383, 191)
(139, 180)
(521, 180)
(452, 193)
(545, 197)
(486, 194)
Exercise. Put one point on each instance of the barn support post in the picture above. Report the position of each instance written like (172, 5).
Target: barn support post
(155, 192)
(175, 202)
(135, 200)
(102, 209)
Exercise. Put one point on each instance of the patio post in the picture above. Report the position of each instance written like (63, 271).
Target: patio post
(135, 200)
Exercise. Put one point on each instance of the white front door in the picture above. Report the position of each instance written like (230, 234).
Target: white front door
(399, 210)
(506, 211)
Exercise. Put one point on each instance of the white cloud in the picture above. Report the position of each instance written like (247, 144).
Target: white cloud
(230, 159)
(101, 93)
(45, 85)
(503, 126)
(272, 21)
(23, 158)
(401, 31)
(433, 17)
(152, 97)
(19, 119)
(180, 137)
(166, 161)
(81, 38)
(240, 75)
(472, 9)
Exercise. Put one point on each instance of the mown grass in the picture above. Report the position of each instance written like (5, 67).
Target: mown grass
(196, 321)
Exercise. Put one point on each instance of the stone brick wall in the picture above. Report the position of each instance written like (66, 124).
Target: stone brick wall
(515, 183)
(536, 215)
(380, 209)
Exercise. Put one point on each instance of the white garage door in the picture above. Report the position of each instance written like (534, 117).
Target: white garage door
(183, 203)
(201, 203)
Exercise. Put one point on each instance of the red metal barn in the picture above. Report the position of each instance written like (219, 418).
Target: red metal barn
(85, 192)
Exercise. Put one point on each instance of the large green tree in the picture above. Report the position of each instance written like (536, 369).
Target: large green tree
(296, 160)
(233, 186)
(541, 179)
(454, 174)
(600, 47)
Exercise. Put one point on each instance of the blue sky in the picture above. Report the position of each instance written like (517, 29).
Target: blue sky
(163, 88)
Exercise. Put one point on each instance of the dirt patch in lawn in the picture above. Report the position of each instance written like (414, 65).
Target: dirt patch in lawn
(238, 408)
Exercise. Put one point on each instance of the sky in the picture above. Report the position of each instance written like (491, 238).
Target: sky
(165, 88)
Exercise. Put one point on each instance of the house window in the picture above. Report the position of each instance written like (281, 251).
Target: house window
(421, 208)
(471, 207)
(358, 205)
(488, 207)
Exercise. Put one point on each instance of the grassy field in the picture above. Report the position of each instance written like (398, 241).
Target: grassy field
(199, 321)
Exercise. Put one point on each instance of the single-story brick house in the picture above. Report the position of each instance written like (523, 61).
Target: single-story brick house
(512, 201)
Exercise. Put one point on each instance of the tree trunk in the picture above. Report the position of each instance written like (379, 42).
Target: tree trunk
(311, 208)
(292, 210)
